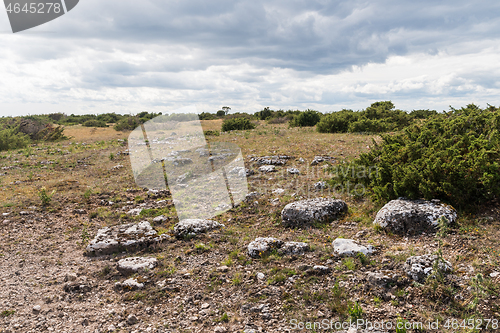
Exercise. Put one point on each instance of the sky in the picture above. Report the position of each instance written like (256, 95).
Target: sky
(128, 56)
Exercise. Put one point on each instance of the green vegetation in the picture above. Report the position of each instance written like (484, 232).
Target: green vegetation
(379, 117)
(45, 198)
(10, 138)
(127, 124)
(306, 118)
(94, 123)
(237, 124)
(452, 157)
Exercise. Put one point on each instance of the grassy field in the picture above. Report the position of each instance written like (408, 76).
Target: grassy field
(91, 172)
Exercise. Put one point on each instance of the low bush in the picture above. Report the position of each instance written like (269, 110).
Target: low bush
(377, 118)
(306, 118)
(211, 132)
(237, 124)
(11, 138)
(337, 122)
(94, 123)
(454, 157)
(127, 124)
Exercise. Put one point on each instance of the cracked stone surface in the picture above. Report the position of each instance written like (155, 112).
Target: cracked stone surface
(124, 237)
(348, 247)
(419, 267)
(191, 227)
(134, 265)
(303, 212)
(403, 216)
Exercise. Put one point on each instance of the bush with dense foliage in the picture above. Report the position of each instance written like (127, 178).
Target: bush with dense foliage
(127, 124)
(454, 157)
(306, 118)
(237, 124)
(94, 123)
(337, 122)
(11, 138)
(377, 118)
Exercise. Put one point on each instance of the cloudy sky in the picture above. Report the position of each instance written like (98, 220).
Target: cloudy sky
(127, 56)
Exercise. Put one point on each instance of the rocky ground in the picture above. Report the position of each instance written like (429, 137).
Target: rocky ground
(272, 264)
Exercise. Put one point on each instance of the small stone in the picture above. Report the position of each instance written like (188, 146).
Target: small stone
(220, 329)
(191, 227)
(37, 309)
(320, 270)
(205, 306)
(160, 219)
(130, 284)
(85, 322)
(278, 191)
(348, 247)
(132, 320)
(293, 171)
(223, 268)
(135, 264)
(135, 211)
(263, 245)
(267, 168)
(260, 276)
(494, 274)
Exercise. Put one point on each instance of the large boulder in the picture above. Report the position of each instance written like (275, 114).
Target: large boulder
(404, 216)
(348, 247)
(124, 237)
(419, 267)
(192, 227)
(299, 213)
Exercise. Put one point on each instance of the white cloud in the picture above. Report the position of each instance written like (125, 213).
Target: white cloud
(128, 56)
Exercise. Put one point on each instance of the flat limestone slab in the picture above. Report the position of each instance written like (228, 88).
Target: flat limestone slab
(124, 237)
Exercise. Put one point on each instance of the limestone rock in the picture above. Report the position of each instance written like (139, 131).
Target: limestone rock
(348, 247)
(135, 264)
(403, 216)
(294, 248)
(419, 267)
(302, 212)
(124, 237)
(262, 245)
(130, 284)
(267, 168)
(191, 227)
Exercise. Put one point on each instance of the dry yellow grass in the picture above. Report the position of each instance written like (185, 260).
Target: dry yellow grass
(79, 133)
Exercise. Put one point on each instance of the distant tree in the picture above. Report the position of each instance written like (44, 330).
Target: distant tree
(221, 113)
(226, 109)
(264, 114)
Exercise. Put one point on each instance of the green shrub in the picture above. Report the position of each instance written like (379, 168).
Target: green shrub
(377, 118)
(11, 139)
(337, 122)
(207, 116)
(127, 124)
(237, 124)
(306, 118)
(45, 198)
(453, 157)
(94, 123)
(211, 132)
